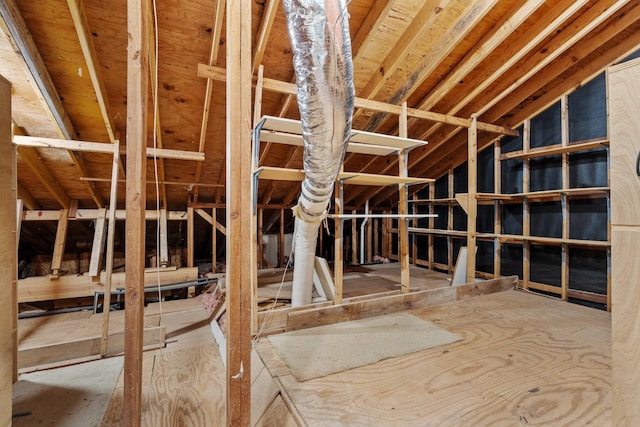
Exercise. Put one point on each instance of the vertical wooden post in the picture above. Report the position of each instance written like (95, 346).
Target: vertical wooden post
(61, 239)
(526, 223)
(98, 244)
(451, 193)
(191, 235)
(354, 239)
(239, 213)
(8, 257)
(368, 249)
(414, 223)
(403, 207)
(260, 242)
(376, 237)
(214, 240)
(432, 223)
(111, 234)
(497, 214)
(281, 240)
(472, 207)
(564, 274)
(163, 258)
(338, 256)
(137, 98)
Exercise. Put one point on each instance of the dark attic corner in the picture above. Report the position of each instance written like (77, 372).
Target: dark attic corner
(319, 212)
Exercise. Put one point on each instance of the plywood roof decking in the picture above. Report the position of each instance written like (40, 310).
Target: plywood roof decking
(506, 59)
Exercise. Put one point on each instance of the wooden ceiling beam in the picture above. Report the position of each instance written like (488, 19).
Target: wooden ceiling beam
(431, 60)
(101, 147)
(422, 21)
(567, 39)
(553, 20)
(549, 25)
(213, 60)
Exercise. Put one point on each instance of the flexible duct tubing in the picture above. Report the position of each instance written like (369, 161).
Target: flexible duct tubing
(319, 33)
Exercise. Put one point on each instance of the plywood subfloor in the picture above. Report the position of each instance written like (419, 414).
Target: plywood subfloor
(524, 360)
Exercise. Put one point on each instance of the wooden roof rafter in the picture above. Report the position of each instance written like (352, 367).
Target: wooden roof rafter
(464, 25)
(13, 24)
(153, 76)
(622, 38)
(213, 60)
(552, 21)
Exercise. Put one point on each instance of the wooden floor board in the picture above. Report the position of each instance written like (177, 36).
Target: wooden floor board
(525, 359)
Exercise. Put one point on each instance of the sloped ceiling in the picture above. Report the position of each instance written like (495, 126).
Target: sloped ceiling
(501, 59)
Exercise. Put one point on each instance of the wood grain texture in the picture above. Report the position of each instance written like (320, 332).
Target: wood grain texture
(394, 303)
(8, 254)
(624, 92)
(180, 388)
(625, 327)
(525, 359)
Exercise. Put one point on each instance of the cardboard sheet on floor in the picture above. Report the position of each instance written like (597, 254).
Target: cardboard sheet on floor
(324, 350)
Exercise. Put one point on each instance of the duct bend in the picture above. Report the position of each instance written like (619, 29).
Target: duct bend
(319, 32)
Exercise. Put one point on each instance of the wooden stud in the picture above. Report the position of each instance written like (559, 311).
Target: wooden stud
(61, 239)
(526, 217)
(376, 237)
(111, 235)
(497, 212)
(263, 33)
(163, 252)
(281, 253)
(472, 208)
(369, 251)
(239, 208)
(8, 258)
(214, 243)
(137, 98)
(450, 254)
(354, 239)
(564, 272)
(98, 244)
(403, 208)
(432, 222)
(190, 237)
(338, 264)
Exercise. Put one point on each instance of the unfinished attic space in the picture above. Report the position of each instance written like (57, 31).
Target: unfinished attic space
(320, 213)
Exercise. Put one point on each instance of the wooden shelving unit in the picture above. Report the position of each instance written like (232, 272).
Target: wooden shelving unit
(527, 199)
(276, 130)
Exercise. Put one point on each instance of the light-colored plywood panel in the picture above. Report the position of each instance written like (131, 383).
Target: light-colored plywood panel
(625, 294)
(505, 372)
(624, 106)
(8, 254)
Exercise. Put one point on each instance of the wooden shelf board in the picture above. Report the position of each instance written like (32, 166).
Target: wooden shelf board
(508, 238)
(357, 178)
(556, 149)
(353, 147)
(279, 124)
(358, 216)
(280, 174)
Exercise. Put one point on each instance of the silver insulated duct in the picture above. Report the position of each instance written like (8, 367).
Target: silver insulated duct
(319, 32)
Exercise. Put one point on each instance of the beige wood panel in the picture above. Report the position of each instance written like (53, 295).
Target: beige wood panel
(624, 110)
(8, 254)
(625, 294)
(180, 388)
(525, 359)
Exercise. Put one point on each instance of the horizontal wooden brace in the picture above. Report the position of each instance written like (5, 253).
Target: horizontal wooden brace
(220, 74)
(101, 147)
(91, 214)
